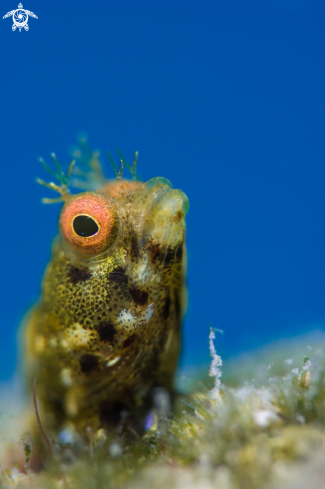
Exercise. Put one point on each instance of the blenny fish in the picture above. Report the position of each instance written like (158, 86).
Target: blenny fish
(106, 330)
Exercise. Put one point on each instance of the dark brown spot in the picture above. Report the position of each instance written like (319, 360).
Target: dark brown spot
(112, 414)
(179, 253)
(135, 252)
(166, 308)
(164, 256)
(106, 331)
(88, 363)
(177, 306)
(169, 257)
(78, 274)
(129, 341)
(139, 296)
(118, 276)
(57, 404)
(155, 251)
(178, 216)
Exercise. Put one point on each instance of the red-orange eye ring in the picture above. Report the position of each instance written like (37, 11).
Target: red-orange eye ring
(89, 223)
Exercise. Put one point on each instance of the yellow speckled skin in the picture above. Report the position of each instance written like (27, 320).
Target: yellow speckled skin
(106, 330)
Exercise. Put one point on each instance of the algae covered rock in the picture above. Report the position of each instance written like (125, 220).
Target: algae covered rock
(267, 433)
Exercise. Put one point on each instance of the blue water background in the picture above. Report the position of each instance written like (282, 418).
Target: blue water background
(225, 99)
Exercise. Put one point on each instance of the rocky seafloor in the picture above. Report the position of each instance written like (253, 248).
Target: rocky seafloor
(262, 427)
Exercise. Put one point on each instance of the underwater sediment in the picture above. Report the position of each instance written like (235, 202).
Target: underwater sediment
(267, 432)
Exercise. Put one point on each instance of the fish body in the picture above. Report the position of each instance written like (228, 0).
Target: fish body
(106, 330)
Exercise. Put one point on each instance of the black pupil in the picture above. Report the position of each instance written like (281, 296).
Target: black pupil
(85, 226)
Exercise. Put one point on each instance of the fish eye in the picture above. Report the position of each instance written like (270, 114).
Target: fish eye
(85, 226)
(89, 223)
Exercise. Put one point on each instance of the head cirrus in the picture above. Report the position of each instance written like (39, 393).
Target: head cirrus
(89, 223)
